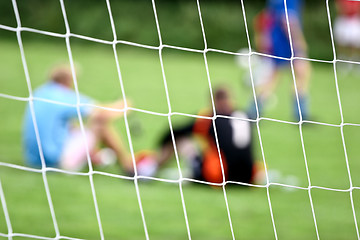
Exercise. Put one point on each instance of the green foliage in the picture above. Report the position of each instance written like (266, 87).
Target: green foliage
(179, 21)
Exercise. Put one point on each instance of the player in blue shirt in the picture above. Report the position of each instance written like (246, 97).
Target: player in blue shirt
(279, 40)
(62, 142)
(279, 32)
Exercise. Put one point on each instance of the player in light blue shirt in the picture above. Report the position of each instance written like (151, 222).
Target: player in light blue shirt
(62, 142)
(53, 122)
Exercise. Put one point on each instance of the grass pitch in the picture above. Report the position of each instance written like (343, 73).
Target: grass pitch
(188, 90)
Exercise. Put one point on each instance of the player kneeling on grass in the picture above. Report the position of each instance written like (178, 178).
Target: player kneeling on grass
(62, 141)
(235, 144)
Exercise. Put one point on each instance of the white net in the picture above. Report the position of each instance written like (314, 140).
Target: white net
(180, 181)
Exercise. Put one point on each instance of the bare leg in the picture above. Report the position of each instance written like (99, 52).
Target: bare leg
(302, 70)
(106, 134)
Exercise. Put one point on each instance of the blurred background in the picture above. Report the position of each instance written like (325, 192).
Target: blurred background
(330, 148)
(179, 21)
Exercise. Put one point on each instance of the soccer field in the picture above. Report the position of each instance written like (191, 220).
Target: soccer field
(188, 88)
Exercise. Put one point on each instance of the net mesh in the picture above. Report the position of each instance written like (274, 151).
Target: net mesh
(44, 170)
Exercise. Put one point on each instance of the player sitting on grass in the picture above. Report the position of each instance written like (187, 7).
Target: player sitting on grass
(62, 142)
(235, 144)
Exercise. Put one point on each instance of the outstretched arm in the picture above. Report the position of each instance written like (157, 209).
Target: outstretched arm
(166, 145)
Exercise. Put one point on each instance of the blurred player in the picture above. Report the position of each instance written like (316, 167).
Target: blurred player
(347, 29)
(272, 37)
(62, 141)
(262, 67)
(234, 138)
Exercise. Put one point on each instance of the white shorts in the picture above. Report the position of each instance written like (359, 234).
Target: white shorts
(347, 31)
(74, 156)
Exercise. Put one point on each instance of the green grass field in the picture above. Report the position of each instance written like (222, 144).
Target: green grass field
(189, 92)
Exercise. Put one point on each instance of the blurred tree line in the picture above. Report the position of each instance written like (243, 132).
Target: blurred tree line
(178, 19)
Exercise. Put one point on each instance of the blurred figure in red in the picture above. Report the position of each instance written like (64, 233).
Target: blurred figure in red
(347, 29)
